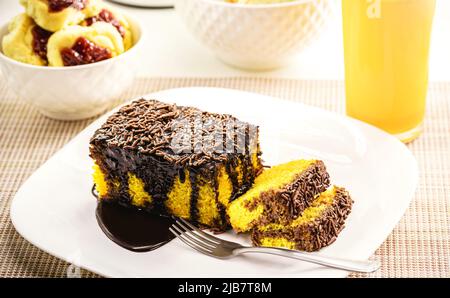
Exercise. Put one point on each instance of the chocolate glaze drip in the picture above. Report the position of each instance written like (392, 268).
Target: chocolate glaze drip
(59, 5)
(220, 207)
(40, 40)
(84, 52)
(159, 176)
(194, 195)
(233, 175)
(182, 175)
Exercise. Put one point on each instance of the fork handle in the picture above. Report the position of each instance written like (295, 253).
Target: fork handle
(348, 265)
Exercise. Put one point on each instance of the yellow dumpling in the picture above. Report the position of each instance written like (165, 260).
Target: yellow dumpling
(128, 36)
(258, 1)
(112, 16)
(101, 34)
(18, 43)
(55, 20)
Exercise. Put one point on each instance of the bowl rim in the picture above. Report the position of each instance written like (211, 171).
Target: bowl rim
(255, 6)
(133, 21)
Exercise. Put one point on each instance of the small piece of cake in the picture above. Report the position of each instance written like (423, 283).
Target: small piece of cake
(317, 227)
(54, 15)
(175, 160)
(26, 42)
(279, 194)
(77, 45)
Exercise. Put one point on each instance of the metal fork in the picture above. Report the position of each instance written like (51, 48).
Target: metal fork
(222, 249)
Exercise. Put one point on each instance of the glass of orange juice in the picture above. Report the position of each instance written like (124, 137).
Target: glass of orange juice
(386, 46)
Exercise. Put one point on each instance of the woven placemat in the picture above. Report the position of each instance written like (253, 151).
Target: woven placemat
(418, 247)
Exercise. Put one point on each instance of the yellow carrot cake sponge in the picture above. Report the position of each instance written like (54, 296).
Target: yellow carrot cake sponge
(279, 194)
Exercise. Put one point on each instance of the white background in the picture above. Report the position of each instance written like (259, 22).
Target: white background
(171, 51)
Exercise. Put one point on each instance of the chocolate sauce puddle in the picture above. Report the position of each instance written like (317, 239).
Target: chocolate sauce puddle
(133, 229)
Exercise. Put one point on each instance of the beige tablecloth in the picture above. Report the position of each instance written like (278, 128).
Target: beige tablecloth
(418, 247)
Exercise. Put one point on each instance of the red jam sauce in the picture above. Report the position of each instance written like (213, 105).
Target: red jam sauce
(84, 52)
(59, 5)
(108, 17)
(40, 39)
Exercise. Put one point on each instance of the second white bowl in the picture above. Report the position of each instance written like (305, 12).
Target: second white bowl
(260, 36)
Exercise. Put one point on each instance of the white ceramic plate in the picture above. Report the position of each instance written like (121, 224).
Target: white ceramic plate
(146, 3)
(55, 210)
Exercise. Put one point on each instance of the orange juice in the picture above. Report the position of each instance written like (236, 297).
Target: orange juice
(386, 45)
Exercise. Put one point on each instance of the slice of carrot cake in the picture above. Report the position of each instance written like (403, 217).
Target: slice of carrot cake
(317, 227)
(279, 195)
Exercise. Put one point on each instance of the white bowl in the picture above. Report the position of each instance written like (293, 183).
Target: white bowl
(75, 92)
(146, 3)
(259, 36)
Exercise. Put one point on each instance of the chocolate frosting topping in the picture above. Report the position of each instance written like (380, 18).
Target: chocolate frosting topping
(181, 135)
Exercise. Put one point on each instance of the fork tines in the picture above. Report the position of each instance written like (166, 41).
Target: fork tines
(194, 237)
